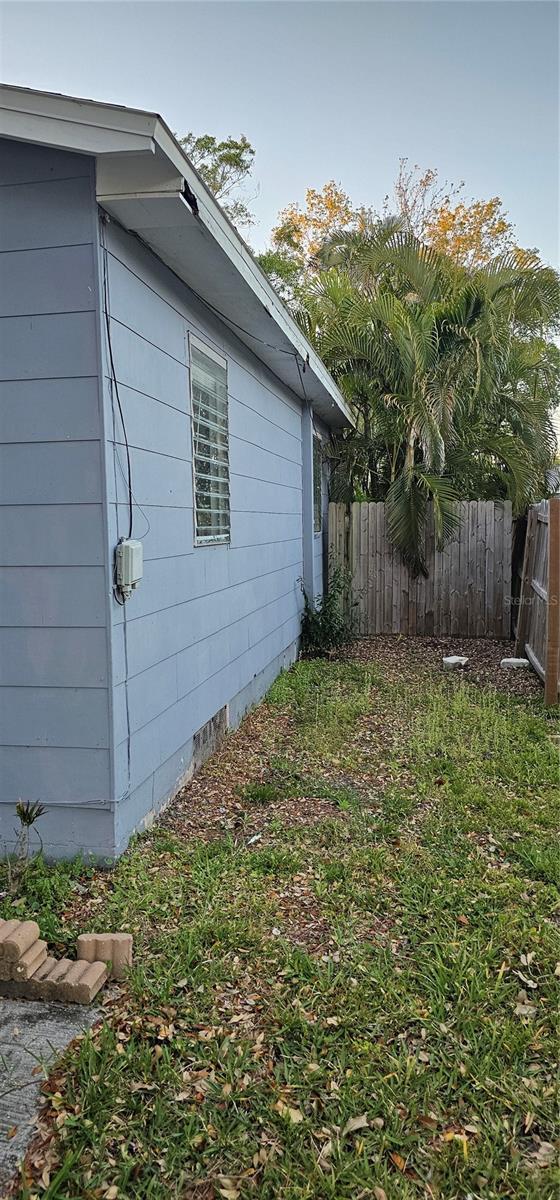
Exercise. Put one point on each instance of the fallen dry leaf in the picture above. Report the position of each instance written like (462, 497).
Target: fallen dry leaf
(545, 1155)
(295, 1115)
(398, 1160)
(324, 1156)
(355, 1123)
(524, 1010)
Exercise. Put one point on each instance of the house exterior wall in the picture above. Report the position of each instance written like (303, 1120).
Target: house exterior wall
(54, 661)
(209, 625)
(101, 703)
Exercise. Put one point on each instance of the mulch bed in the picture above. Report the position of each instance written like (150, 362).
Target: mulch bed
(483, 667)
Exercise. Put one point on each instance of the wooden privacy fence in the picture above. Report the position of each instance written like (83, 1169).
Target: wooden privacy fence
(467, 592)
(538, 624)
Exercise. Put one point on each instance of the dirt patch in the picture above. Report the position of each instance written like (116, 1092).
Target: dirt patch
(212, 805)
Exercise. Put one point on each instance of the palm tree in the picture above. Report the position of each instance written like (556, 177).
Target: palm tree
(446, 370)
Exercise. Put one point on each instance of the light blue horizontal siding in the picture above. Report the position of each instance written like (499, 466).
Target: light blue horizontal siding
(145, 368)
(263, 528)
(66, 597)
(56, 346)
(265, 466)
(170, 533)
(205, 621)
(71, 776)
(23, 163)
(32, 216)
(140, 307)
(156, 479)
(256, 430)
(153, 425)
(47, 657)
(61, 410)
(57, 280)
(51, 716)
(54, 665)
(171, 584)
(160, 672)
(49, 535)
(50, 473)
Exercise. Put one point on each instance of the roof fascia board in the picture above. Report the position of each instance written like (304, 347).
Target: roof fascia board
(79, 112)
(76, 136)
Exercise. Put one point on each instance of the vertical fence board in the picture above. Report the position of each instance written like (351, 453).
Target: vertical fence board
(552, 652)
(364, 557)
(380, 560)
(534, 623)
(471, 570)
(491, 516)
(467, 592)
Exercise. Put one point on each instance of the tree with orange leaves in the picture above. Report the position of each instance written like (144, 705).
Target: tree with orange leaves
(301, 232)
(325, 212)
(470, 233)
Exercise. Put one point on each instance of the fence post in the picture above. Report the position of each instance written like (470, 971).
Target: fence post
(552, 660)
(525, 589)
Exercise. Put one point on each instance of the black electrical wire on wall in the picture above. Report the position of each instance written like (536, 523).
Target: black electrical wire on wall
(113, 377)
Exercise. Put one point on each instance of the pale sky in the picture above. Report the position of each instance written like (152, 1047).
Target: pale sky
(325, 90)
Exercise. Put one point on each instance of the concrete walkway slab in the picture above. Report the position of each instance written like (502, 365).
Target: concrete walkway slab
(33, 1035)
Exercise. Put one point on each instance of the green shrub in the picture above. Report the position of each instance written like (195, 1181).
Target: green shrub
(327, 623)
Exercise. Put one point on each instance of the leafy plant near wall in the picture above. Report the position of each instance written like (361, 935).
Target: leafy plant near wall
(327, 621)
(27, 813)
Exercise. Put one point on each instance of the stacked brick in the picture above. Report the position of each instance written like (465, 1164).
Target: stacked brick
(27, 971)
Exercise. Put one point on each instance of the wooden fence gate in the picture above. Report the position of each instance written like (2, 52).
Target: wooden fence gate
(467, 592)
(538, 625)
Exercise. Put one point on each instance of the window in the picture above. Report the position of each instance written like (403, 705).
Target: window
(210, 444)
(317, 485)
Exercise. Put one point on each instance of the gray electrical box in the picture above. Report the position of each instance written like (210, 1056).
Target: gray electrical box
(129, 566)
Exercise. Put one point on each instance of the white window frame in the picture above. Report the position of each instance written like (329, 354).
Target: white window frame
(213, 539)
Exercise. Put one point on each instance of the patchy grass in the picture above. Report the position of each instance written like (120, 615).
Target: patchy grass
(357, 1004)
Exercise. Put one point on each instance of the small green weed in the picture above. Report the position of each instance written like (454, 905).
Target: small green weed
(260, 793)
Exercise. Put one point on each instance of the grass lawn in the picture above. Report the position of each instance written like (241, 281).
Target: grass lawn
(346, 944)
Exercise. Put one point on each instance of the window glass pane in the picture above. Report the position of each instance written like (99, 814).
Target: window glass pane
(210, 447)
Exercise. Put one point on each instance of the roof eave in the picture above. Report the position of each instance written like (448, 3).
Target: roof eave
(141, 169)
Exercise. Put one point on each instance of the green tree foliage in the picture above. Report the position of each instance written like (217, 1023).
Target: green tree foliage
(449, 370)
(225, 167)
